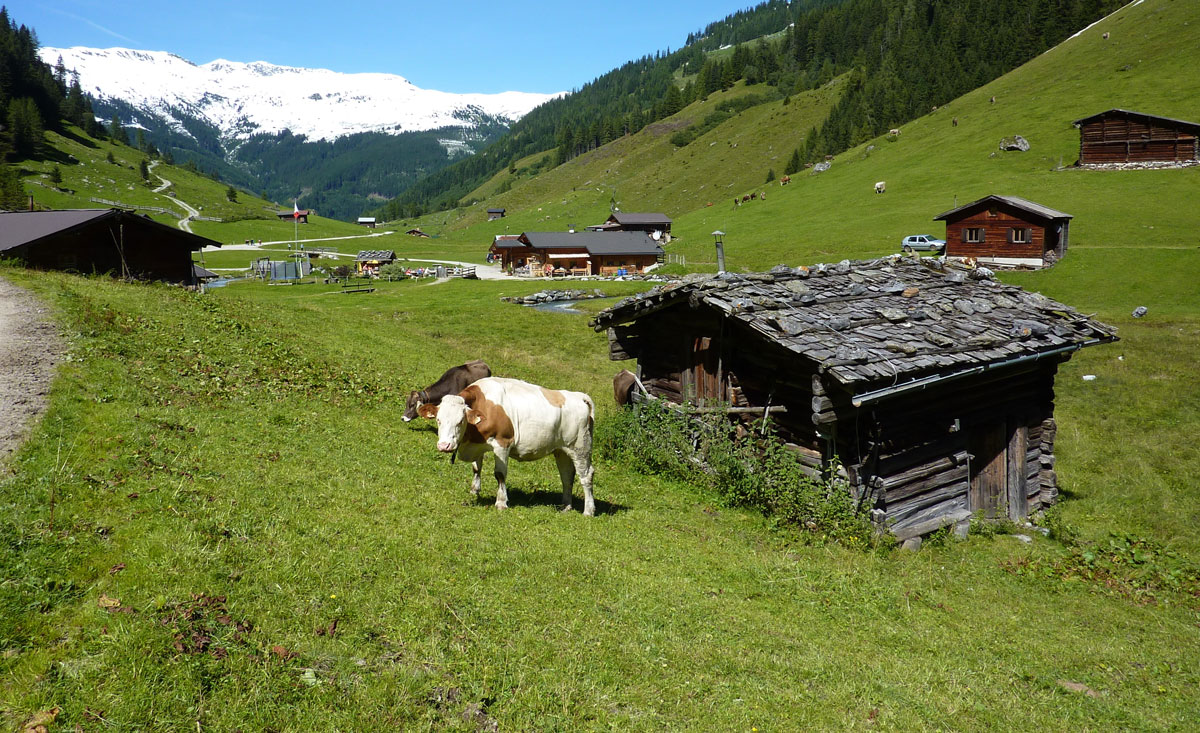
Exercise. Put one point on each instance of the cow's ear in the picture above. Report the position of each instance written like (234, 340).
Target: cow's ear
(427, 411)
(474, 417)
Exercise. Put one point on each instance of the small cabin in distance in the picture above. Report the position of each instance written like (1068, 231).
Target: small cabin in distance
(933, 387)
(300, 216)
(1121, 136)
(366, 221)
(651, 224)
(494, 214)
(1006, 231)
(369, 261)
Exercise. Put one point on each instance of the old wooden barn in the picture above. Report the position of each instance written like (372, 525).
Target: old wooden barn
(100, 241)
(934, 388)
(1007, 231)
(1123, 136)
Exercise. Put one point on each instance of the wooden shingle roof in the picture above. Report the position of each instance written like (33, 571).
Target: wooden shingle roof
(1045, 212)
(885, 320)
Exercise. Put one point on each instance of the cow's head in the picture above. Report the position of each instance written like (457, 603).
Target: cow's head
(453, 417)
(412, 405)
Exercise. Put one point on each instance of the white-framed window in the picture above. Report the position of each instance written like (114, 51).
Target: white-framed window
(1019, 235)
(973, 235)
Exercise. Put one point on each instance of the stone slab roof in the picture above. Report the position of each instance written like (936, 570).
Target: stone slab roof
(626, 219)
(880, 320)
(596, 243)
(1193, 127)
(376, 254)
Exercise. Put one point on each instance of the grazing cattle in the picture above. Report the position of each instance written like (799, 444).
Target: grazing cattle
(745, 198)
(785, 180)
(880, 186)
(623, 385)
(762, 196)
(954, 122)
(895, 131)
(753, 196)
(453, 381)
(520, 421)
(993, 100)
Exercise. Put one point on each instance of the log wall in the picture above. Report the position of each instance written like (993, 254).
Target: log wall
(1124, 139)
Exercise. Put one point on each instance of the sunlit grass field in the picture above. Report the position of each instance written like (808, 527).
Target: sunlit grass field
(229, 473)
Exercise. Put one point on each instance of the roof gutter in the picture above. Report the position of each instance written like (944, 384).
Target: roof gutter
(917, 385)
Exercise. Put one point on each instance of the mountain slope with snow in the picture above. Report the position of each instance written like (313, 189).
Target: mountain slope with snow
(243, 99)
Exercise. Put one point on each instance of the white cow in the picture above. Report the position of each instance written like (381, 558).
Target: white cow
(521, 421)
(880, 186)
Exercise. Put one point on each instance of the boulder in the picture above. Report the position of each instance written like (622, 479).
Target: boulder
(1014, 142)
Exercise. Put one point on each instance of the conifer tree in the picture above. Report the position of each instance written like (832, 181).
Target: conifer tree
(794, 163)
(116, 131)
(12, 193)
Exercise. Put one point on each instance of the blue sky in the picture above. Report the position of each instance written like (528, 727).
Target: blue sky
(451, 45)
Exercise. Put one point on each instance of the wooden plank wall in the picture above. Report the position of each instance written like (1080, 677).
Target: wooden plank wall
(1120, 139)
(996, 230)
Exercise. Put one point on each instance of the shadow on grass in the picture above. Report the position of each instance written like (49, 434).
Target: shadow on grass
(544, 497)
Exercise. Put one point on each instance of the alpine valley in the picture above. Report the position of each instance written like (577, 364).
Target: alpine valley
(340, 143)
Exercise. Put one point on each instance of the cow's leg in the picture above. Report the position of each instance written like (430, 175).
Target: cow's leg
(566, 472)
(501, 479)
(476, 481)
(583, 467)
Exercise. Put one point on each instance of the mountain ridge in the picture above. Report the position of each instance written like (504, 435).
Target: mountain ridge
(244, 98)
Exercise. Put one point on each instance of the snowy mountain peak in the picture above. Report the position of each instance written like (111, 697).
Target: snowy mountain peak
(241, 99)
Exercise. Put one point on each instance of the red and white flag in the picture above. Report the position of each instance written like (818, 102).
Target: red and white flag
(295, 210)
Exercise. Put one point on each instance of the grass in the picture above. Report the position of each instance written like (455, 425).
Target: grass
(230, 470)
(244, 445)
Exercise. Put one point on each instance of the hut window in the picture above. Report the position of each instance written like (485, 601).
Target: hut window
(1018, 236)
(992, 213)
(972, 235)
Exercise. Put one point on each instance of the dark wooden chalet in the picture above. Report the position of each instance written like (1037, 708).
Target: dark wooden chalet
(301, 216)
(508, 250)
(416, 232)
(592, 253)
(494, 214)
(101, 241)
(619, 221)
(934, 388)
(1006, 231)
(366, 221)
(1122, 136)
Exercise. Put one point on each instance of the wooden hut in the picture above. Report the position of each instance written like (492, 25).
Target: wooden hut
(651, 224)
(368, 261)
(1006, 231)
(1122, 136)
(300, 215)
(101, 241)
(366, 221)
(416, 232)
(934, 388)
(494, 214)
(508, 250)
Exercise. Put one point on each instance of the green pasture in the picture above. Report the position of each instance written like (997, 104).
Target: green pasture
(228, 472)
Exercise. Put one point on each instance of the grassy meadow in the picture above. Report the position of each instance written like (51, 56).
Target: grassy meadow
(221, 522)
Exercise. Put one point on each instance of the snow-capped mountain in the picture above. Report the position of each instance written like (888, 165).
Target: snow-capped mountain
(241, 99)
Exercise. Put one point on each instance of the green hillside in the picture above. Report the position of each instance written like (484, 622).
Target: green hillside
(929, 168)
(89, 180)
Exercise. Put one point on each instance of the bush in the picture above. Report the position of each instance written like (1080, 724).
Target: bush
(755, 470)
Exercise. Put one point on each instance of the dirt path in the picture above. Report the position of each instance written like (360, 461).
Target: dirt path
(30, 347)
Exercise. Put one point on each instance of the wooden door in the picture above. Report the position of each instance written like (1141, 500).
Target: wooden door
(706, 370)
(989, 469)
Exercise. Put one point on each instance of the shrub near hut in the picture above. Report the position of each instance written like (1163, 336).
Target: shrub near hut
(738, 468)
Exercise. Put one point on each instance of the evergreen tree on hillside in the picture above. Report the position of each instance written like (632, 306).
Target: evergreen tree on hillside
(794, 163)
(116, 131)
(25, 128)
(12, 194)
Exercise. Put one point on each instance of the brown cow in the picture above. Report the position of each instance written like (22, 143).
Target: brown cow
(453, 381)
(623, 385)
(785, 180)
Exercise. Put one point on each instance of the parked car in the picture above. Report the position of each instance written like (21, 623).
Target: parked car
(926, 242)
